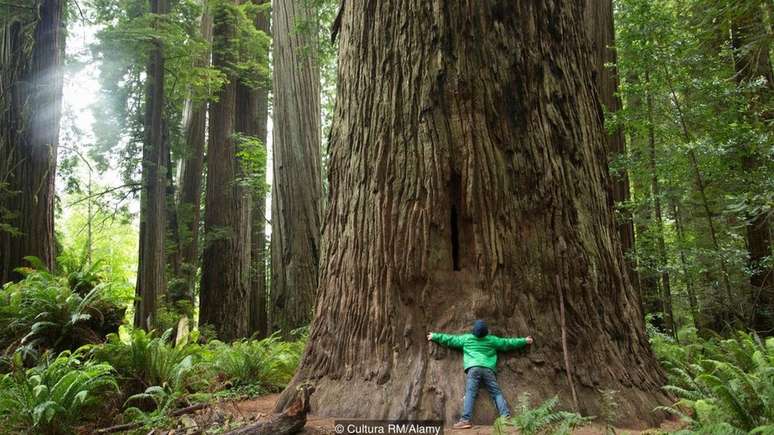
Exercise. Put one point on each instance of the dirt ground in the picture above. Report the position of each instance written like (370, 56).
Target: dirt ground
(262, 406)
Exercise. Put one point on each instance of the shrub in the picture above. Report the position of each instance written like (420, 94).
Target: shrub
(725, 385)
(144, 360)
(53, 397)
(42, 312)
(268, 364)
(543, 419)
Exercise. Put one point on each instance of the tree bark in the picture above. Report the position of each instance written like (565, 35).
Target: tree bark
(599, 25)
(468, 180)
(226, 257)
(751, 63)
(151, 278)
(30, 110)
(191, 176)
(297, 182)
(259, 321)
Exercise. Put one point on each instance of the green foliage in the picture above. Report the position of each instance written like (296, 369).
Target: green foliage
(609, 409)
(688, 116)
(54, 397)
(143, 360)
(128, 32)
(110, 255)
(722, 384)
(158, 376)
(543, 419)
(252, 156)
(249, 49)
(43, 312)
(267, 364)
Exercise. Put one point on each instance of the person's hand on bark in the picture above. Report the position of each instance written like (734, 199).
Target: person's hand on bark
(429, 336)
(530, 340)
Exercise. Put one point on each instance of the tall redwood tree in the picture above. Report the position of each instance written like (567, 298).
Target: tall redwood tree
(30, 113)
(151, 278)
(468, 180)
(297, 181)
(225, 279)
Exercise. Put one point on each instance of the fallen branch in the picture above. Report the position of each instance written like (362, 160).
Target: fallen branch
(290, 421)
(136, 424)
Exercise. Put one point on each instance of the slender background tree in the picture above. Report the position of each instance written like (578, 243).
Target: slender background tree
(259, 322)
(226, 256)
(151, 273)
(297, 182)
(191, 180)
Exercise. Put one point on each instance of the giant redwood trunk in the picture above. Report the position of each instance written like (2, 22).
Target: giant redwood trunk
(297, 182)
(599, 25)
(468, 180)
(226, 257)
(30, 111)
(151, 279)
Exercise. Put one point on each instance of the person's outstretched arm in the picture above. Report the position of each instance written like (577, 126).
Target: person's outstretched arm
(505, 344)
(448, 340)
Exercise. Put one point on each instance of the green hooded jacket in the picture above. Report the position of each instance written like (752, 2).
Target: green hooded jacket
(478, 352)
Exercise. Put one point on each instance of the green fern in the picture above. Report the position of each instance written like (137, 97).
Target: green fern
(144, 360)
(54, 397)
(269, 363)
(726, 384)
(543, 419)
(41, 312)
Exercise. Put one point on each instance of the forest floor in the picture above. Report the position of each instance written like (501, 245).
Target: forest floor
(252, 409)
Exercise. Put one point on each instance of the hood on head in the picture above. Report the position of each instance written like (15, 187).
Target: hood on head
(479, 329)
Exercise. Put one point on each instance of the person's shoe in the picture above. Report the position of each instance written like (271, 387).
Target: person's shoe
(462, 424)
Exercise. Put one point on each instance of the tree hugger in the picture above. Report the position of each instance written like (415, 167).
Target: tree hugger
(479, 350)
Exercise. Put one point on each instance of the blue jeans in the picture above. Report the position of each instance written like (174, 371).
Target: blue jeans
(477, 376)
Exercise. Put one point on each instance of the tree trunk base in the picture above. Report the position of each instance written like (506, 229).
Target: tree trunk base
(422, 380)
(434, 391)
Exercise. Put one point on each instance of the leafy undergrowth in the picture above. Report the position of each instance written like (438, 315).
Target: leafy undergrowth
(136, 376)
(542, 419)
(62, 372)
(48, 312)
(52, 397)
(723, 386)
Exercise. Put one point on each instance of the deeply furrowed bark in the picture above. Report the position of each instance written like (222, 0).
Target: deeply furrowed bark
(599, 25)
(297, 182)
(226, 256)
(467, 178)
(151, 279)
(30, 110)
